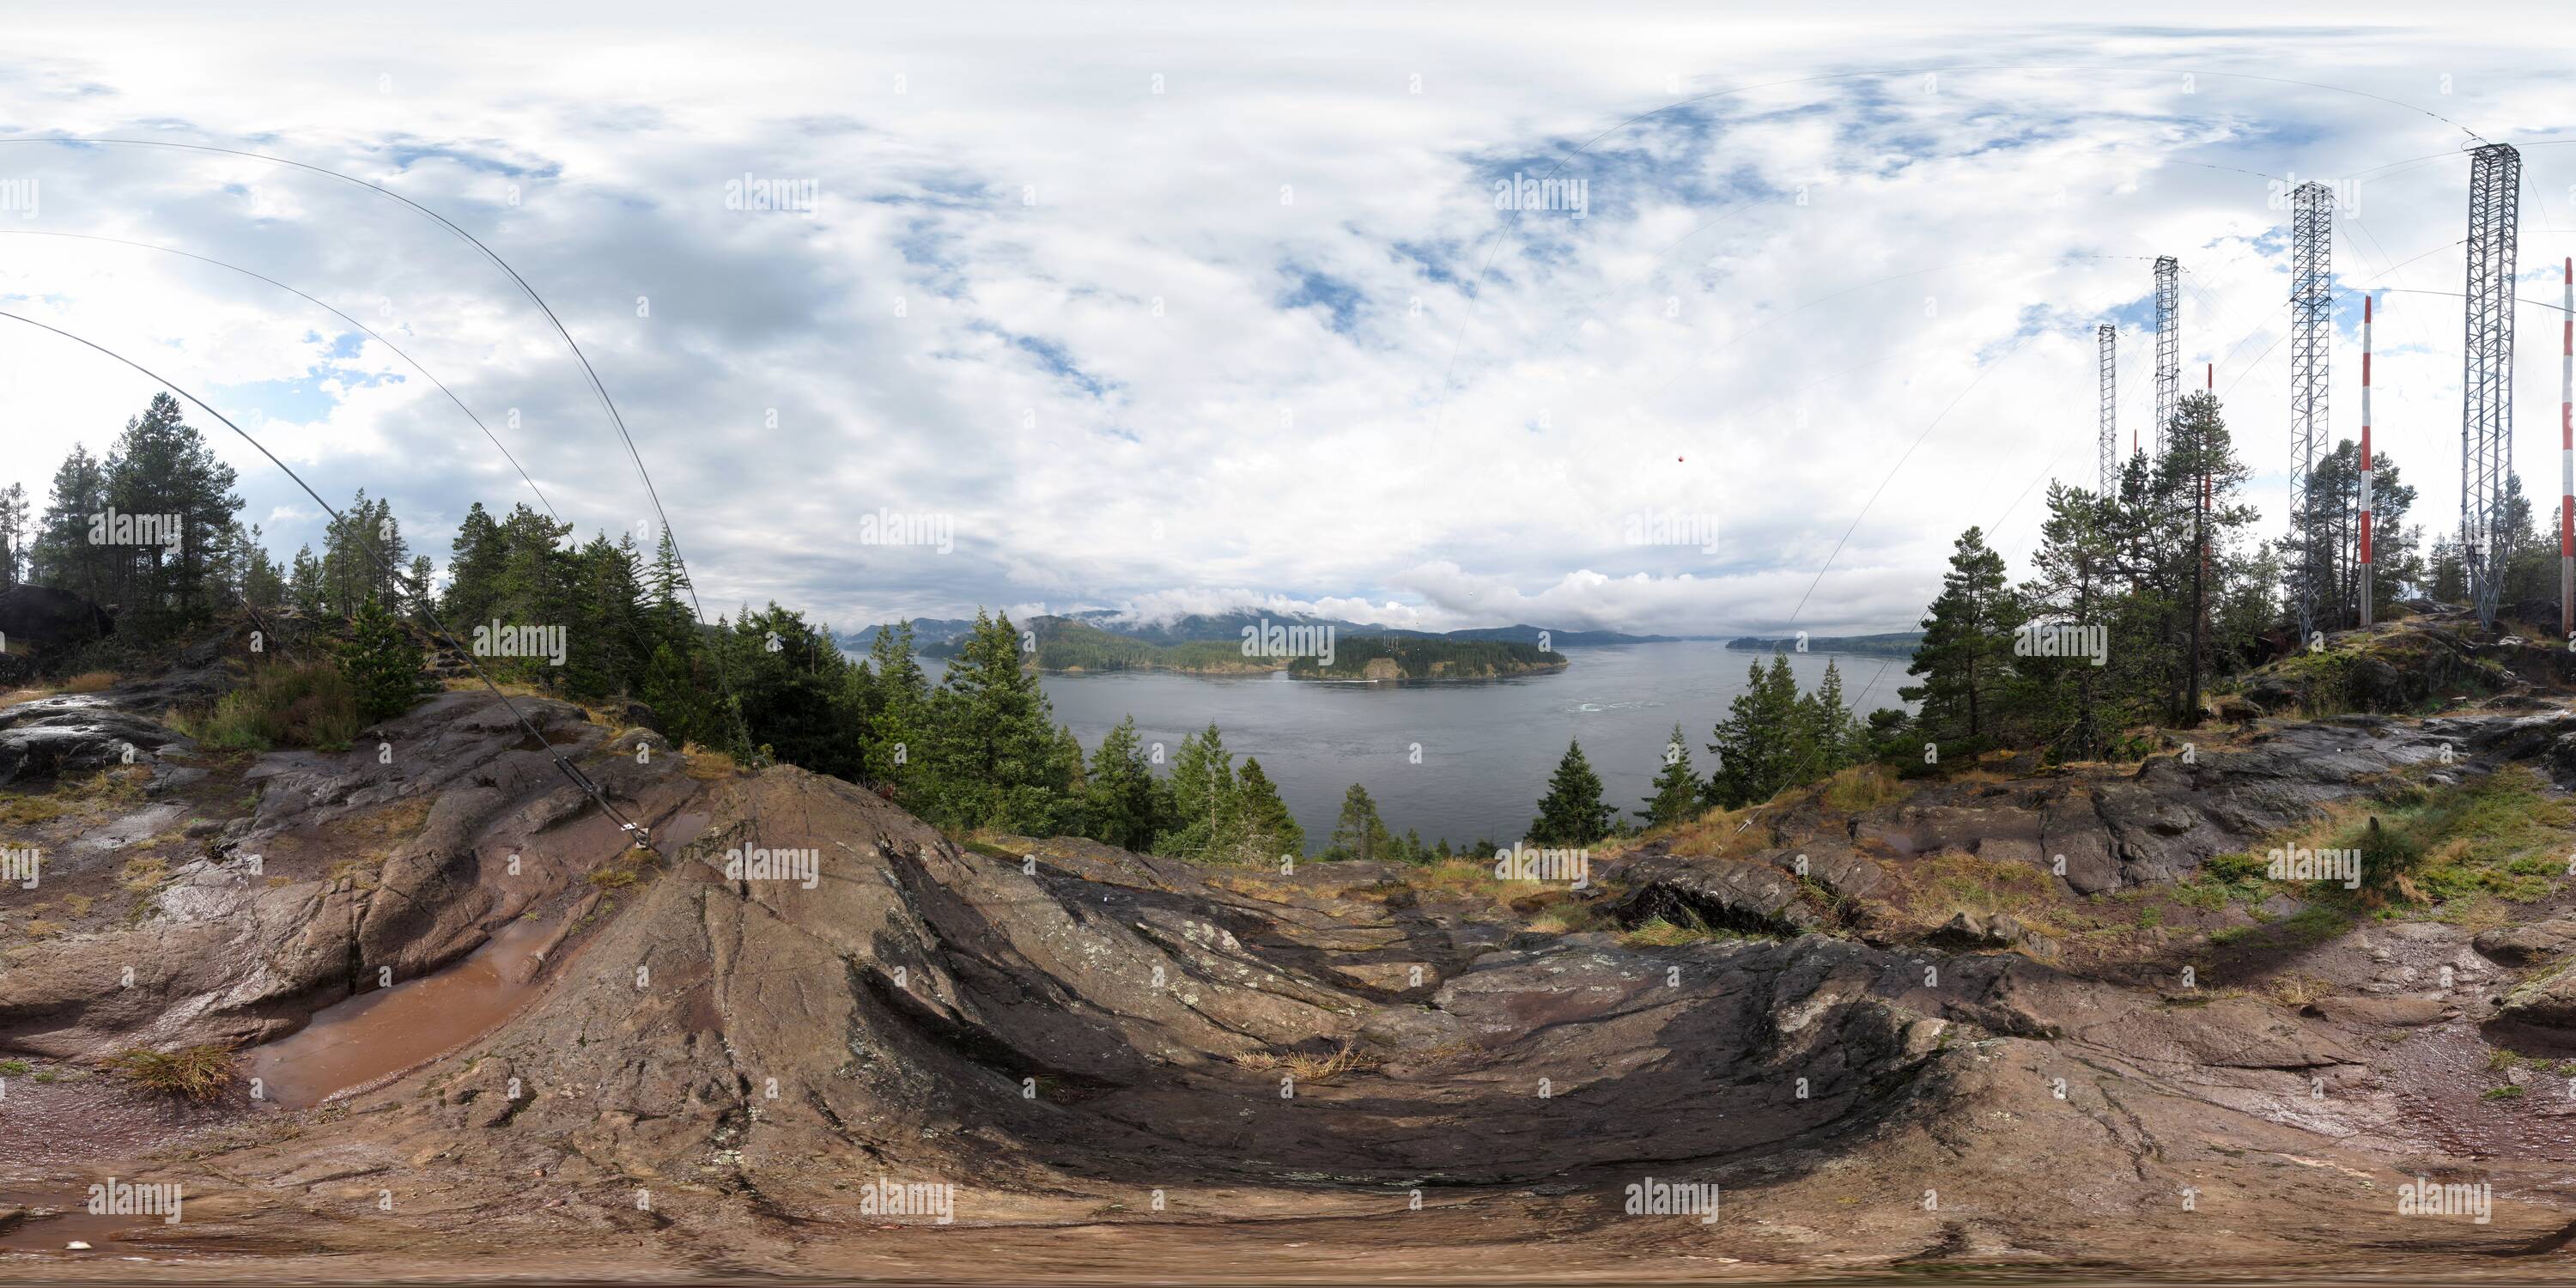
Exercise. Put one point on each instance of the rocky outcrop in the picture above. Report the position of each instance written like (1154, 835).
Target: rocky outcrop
(50, 619)
(2527, 944)
(712, 1070)
(53, 738)
(1722, 894)
(387, 861)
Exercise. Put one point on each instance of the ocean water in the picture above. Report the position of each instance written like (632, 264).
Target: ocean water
(1466, 759)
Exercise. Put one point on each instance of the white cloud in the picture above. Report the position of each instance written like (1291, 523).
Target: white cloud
(1240, 343)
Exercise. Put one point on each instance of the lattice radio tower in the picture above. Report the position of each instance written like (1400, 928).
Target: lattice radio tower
(2486, 377)
(2311, 347)
(2109, 336)
(2168, 345)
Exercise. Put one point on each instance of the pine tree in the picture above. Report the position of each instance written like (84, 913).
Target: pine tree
(995, 754)
(897, 712)
(13, 535)
(1118, 792)
(263, 583)
(382, 663)
(1966, 655)
(666, 585)
(2071, 707)
(1828, 736)
(60, 548)
(420, 591)
(161, 466)
(1572, 813)
(1758, 746)
(474, 563)
(304, 582)
(1204, 824)
(1268, 828)
(1677, 788)
(1359, 834)
(678, 700)
(789, 690)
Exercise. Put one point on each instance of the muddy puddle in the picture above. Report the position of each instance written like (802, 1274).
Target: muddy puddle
(680, 831)
(51, 1220)
(381, 1032)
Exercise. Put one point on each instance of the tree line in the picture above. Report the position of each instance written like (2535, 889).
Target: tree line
(2158, 586)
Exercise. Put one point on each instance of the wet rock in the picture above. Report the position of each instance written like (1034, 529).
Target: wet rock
(2523, 945)
(74, 734)
(2388, 1012)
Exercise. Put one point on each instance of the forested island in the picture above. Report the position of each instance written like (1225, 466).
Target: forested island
(1069, 647)
(1890, 644)
(1378, 658)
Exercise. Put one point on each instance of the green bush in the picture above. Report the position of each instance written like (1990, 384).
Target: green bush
(307, 704)
(383, 664)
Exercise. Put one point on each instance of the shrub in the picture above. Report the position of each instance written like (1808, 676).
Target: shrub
(197, 1072)
(383, 664)
(2387, 854)
(306, 704)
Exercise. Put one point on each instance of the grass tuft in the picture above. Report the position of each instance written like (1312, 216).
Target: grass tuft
(1307, 1067)
(197, 1072)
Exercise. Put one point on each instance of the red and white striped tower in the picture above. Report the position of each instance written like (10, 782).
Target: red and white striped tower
(2365, 462)
(2567, 457)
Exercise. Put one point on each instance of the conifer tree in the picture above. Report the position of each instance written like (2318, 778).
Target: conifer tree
(1757, 746)
(1359, 834)
(1966, 655)
(1677, 788)
(995, 749)
(1118, 792)
(382, 663)
(1204, 824)
(898, 706)
(1268, 828)
(1572, 813)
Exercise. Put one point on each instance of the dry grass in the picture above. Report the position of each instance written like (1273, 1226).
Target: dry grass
(2477, 914)
(511, 688)
(122, 785)
(1655, 932)
(90, 682)
(15, 696)
(143, 875)
(396, 822)
(79, 904)
(197, 1072)
(2295, 990)
(708, 766)
(1568, 919)
(39, 928)
(1467, 878)
(1950, 884)
(1307, 1067)
(27, 811)
(1860, 788)
(1722, 833)
(362, 874)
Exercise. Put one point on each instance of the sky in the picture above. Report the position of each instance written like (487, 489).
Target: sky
(1188, 308)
